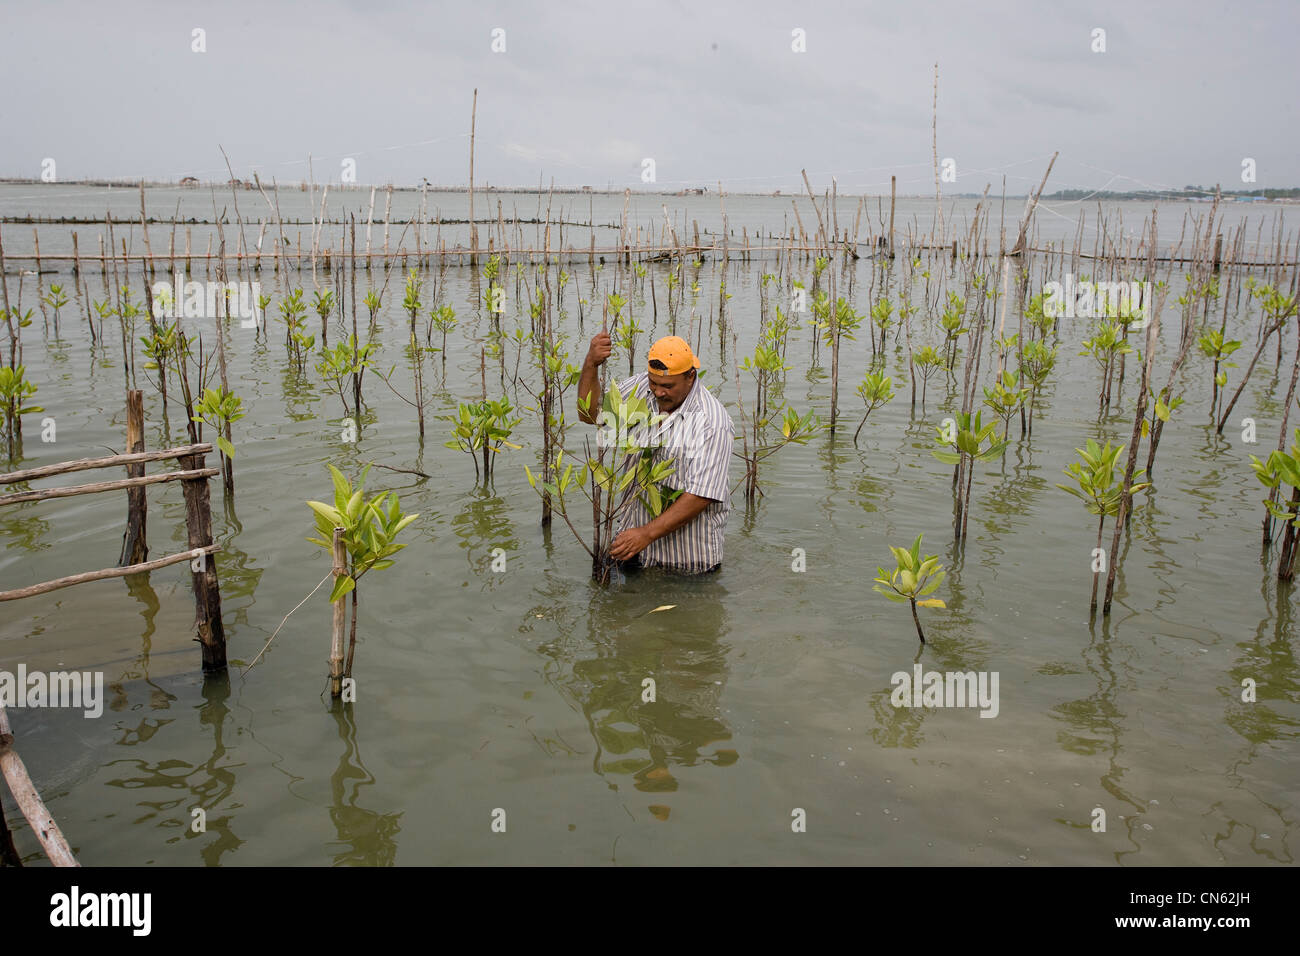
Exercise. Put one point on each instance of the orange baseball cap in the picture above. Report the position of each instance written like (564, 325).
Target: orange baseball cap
(675, 355)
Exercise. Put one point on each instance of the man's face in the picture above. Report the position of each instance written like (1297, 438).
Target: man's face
(671, 390)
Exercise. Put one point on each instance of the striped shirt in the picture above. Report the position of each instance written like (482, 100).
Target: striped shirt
(697, 436)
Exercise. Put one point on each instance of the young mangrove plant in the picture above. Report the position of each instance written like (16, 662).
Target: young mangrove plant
(483, 428)
(1282, 469)
(950, 321)
(369, 537)
(926, 363)
(913, 578)
(1005, 398)
(967, 437)
(876, 390)
(1100, 493)
(880, 318)
(346, 363)
(297, 342)
(759, 441)
(1036, 363)
(624, 469)
(443, 319)
(219, 409)
(835, 324)
(1213, 347)
(15, 389)
(1277, 309)
(323, 303)
(56, 299)
(1106, 345)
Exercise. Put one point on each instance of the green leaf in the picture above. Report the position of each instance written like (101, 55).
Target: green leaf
(342, 585)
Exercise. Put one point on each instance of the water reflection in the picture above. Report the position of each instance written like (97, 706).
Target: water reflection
(483, 525)
(650, 682)
(179, 787)
(366, 837)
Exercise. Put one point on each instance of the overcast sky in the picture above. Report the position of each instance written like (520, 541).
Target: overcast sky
(584, 92)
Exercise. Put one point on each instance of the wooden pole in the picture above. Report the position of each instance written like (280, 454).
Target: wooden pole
(29, 800)
(473, 230)
(893, 192)
(85, 464)
(135, 546)
(207, 591)
(42, 494)
(68, 581)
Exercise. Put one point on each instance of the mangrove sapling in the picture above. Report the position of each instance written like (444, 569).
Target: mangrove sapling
(1036, 363)
(1039, 320)
(219, 409)
(1281, 468)
(483, 427)
(1277, 308)
(835, 324)
(56, 299)
(346, 362)
(926, 362)
(494, 294)
(297, 342)
(411, 303)
(913, 578)
(15, 389)
(875, 391)
(880, 317)
(626, 425)
(103, 310)
(369, 533)
(262, 302)
(966, 436)
(951, 323)
(156, 347)
(757, 442)
(323, 303)
(1213, 346)
(1097, 488)
(1105, 346)
(372, 302)
(1005, 398)
(443, 319)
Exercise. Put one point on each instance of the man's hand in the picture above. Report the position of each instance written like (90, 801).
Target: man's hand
(589, 382)
(601, 346)
(630, 543)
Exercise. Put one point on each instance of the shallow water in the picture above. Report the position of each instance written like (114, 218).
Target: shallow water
(521, 690)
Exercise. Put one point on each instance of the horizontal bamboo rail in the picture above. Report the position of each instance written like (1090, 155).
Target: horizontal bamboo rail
(68, 491)
(67, 582)
(29, 800)
(111, 461)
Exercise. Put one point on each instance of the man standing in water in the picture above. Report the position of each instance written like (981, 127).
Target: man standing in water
(697, 435)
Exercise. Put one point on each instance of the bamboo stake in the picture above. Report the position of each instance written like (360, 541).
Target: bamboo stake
(339, 624)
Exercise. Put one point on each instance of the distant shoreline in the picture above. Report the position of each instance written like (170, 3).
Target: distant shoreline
(1196, 194)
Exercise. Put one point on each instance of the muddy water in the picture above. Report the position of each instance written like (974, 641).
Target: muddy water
(482, 691)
